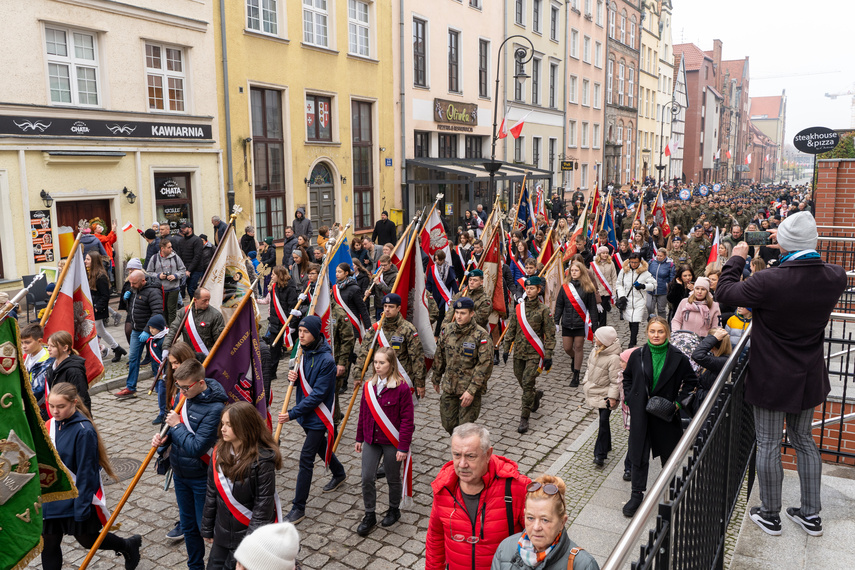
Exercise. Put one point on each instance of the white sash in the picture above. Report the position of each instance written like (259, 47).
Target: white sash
(576, 300)
(602, 278)
(529, 333)
(195, 339)
(99, 499)
(185, 419)
(441, 287)
(356, 322)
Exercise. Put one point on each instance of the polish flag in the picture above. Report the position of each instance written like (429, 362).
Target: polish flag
(718, 154)
(728, 154)
(660, 216)
(73, 312)
(503, 131)
(322, 310)
(127, 226)
(767, 158)
(671, 148)
(714, 249)
(516, 130)
(748, 159)
(433, 236)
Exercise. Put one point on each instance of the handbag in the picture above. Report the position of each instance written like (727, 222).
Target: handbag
(660, 407)
(689, 403)
(621, 304)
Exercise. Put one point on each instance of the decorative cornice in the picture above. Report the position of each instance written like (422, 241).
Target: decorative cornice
(123, 9)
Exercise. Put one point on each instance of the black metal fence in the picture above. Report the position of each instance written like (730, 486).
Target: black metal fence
(840, 250)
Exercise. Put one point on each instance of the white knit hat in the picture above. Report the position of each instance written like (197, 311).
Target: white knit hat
(797, 232)
(134, 263)
(270, 547)
(606, 335)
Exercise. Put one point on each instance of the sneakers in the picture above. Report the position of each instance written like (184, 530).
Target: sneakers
(769, 525)
(632, 505)
(538, 395)
(125, 393)
(176, 533)
(812, 525)
(295, 516)
(369, 521)
(334, 484)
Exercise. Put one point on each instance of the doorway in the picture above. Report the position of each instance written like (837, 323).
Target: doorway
(321, 197)
(72, 212)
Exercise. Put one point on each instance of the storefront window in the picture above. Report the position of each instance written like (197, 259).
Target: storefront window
(172, 199)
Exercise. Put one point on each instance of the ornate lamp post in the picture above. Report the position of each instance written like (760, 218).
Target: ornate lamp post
(675, 110)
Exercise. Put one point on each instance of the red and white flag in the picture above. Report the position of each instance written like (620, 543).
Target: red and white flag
(322, 306)
(412, 281)
(748, 159)
(714, 249)
(672, 145)
(718, 154)
(728, 154)
(73, 312)
(767, 158)
(127, 226)
(516, 130)
(433, 236)
(660, 216)
(503, 130)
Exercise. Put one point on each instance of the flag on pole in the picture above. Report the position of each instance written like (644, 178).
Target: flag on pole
(748, 159)
(503, 130)
(714, 249)
(491, 265)
(401, 251)
(728, 154)
(671, 148)
(32, 472)
(660, 216)
(609, 225)
(237, 363)
(73, 312)
(523, 222)
(342, 255)
(553, 284)
(433, 238)
(127, 226)
(516, 130)
(322, 307)
(411, 288)
(718, 154)
(228, 277)
(767, 158)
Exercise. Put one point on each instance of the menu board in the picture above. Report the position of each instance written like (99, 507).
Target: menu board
(42, 236)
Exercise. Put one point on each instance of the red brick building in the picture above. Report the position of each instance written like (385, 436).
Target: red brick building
(734, 118)
(763, 153)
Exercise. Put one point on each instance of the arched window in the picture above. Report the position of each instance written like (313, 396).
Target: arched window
(621, 72)
(321, 175)
(631, 89)
(628, 147)
(612, 12)
(623, 27)
(610, 80)
(632, 32)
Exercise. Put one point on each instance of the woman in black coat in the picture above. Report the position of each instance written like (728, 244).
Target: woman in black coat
(680, 288)
(244, 461)
(68, 366)
(283, 298)
(573, 333)
(351, 294)
(674, 381)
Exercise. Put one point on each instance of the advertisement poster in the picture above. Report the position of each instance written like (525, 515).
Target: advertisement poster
(42, 236)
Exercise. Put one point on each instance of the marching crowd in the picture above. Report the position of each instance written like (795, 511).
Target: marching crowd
(679, 301)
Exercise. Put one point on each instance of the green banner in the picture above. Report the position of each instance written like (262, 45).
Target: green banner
(30, 469)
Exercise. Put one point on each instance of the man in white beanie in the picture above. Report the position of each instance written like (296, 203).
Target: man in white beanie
(270, 547)
(787, 377)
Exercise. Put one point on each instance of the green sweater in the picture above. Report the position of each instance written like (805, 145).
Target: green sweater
(658, 354)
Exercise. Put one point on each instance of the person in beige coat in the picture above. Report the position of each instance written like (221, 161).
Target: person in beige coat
(604, 273)
(602, 386)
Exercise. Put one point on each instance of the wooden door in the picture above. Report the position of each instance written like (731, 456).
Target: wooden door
(71, 212)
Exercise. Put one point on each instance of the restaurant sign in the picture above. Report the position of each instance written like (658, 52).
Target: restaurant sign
(58, 127)
(451, 112)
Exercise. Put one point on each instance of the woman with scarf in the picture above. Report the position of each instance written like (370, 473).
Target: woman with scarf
(299, 268)
(442, 284)
(349, 296)
(544, 544)
(660, 370)
(698, 312)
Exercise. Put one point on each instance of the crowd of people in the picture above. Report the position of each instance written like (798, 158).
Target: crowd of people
(658, 275)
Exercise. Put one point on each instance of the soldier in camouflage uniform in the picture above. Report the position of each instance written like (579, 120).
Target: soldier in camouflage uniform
(483, 303)
(526, 359)
(464, 358)
(677, 253)
(403, 337)
(344, 341)
(698, 249)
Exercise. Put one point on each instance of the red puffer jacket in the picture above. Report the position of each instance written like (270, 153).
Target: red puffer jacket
(491, 523)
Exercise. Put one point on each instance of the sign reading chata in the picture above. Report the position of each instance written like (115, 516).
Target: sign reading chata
(452, 112)
(56, 127)
(816, 140)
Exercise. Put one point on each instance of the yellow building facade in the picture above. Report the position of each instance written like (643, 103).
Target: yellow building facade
(306, 112)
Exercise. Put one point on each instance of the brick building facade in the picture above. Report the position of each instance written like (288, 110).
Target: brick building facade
(624, 35)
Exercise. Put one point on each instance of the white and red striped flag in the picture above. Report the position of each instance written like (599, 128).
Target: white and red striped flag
(714, 249)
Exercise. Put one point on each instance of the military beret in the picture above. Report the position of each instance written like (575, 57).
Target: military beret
(392, 299)
(464, 303)
(534, 280)
(476, 273)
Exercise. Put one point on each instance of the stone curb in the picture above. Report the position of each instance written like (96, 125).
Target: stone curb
(119, 383)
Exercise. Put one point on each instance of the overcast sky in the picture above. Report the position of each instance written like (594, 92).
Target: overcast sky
(788, 43)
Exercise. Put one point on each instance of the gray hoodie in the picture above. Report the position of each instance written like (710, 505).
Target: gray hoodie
(170, 265)
(302, 226)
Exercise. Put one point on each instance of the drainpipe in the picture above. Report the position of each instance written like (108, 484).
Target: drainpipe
(405, 194)
(231, 179)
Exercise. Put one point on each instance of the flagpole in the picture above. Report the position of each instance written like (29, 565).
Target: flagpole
(163, 430)
(322, 275)
(519, 200)
(605, 209)
(373, 277)
(379, 325)
(59, 281)
(488, 226)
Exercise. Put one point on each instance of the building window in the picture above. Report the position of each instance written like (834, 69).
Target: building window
(586, 93)
(422, 144)
(72, 67)
(553, 81)
(621, 70)
(612, 11)
(571, 134)
(586, 49)
(535, 151)
(574, 44)
(268, 152)
(628, 152)
(453, 61)
(598, 55)
(535, 15)
(632, 32)
(623, 27)
(165, 77)
(597, 89)
(554, 23)
(584, 143)
(319, 118)
(588, 8)
(363, 165)
(475, 4)
(535, 82)
(357, 28)
(519, 151)
(620, 134)
(261, 16)
(474, 146)
(315, 18)
(419, 53)
(173, 198)
(609, 81)
(447, 146)
(600, 13)
(631, 85)
(583, 174)
(596, 136)
(551, 157)
(519, 12)
(518, 88)
(483, 67)
(571, 89)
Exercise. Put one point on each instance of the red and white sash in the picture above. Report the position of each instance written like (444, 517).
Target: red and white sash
(99, 500)
(185, 419)
(529, 333)
(278, 308)
(153, 353)
(354, 320)
(440, 285)
(195, 338)
(323, 412)
(602, 279)
(460, 251)
(238, 510)
(520, 266)
(618, 260)
(382, 420)
(536, 247)
(581, 309)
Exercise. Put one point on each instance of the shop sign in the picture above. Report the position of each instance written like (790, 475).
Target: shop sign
(59, 127)
(170, 190)
(41, 236)
(566, 165)
(451, 112)
(816, 140)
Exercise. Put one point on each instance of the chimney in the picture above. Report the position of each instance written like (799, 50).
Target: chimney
(717, 53)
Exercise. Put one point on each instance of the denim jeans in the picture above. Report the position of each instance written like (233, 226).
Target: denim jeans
(190, 494)
(192, 283)
(315, 445)
(134, 354)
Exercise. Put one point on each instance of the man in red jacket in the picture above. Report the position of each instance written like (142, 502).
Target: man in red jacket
(470, 514)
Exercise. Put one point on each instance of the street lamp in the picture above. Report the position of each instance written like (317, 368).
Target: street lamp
(675, 110)
(522, 56)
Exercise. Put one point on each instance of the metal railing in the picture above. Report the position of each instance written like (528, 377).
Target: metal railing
(696, 492)
(840, 250)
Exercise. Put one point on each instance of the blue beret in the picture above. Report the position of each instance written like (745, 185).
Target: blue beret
(464, 303)
(392, 299)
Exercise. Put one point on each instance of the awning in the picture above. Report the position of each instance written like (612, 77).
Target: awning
(472, 169)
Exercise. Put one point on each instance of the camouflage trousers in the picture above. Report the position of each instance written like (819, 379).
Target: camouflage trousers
(526, 373)
(453, 414)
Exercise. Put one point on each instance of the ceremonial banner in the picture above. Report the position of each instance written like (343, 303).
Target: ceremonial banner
(237, 363)
(73, 312)
(31, 472)
(433, 236)
(228, 277)
(553, 284)
(660, 216)
(342, 255)
(414, 300)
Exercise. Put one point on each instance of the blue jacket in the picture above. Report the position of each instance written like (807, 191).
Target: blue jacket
(663, 273)
(91, 243)
(204, 411)
(151, 250)
(77, 444)
(320, 368)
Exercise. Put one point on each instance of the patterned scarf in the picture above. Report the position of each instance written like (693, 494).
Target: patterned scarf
(527, 553)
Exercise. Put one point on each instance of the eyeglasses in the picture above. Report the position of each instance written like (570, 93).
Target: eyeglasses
(186, 389)
(549, 489)
(457, 537)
